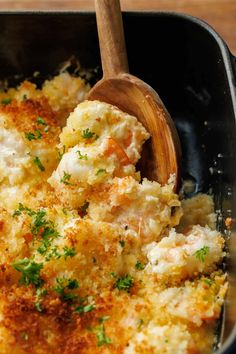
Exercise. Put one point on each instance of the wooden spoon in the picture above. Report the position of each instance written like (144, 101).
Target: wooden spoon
(161, 154)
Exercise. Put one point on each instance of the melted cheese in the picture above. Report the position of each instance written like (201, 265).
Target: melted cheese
(14, 157)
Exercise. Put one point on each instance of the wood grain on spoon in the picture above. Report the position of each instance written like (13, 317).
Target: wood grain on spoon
(161, 155)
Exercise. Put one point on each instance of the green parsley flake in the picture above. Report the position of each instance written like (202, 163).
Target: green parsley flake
(140, 323)
(46, 230)
(102, 338)
(39, 294)
(122, 243)
(64, 210)
(69, 297)
(100, 171)
(63, 284)
(54, 253)
(22, 208)
(33, 136)
(201, 253)
(39, 221)
(38, 306)
(87, 134)
(61, 153)
(30, 271)
(43, 229)
(139, 265)
(45, 247)
(40, 120)
(65, 179)
(38, 162)
(85, 309)
(208, 281)
(69, 252)
(72, 284)
(124, 283)
(82, 157)
(6, 101)
(17, 212)
(103, 319)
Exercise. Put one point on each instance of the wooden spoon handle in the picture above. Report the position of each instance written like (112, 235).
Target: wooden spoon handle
(111, 38)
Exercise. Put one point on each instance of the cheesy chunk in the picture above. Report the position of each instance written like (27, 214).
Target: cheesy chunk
(146, 207)
(102, 142)
(168, 339)
(179, 256)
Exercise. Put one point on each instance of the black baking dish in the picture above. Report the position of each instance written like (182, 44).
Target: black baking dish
(190, 67)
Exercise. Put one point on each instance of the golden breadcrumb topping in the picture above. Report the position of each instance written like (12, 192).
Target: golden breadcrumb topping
(92, 259)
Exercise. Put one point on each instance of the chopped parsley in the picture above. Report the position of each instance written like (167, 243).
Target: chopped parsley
(85, 309)
(72, 284)
(30, 271)
(101, 170)
(201, 253)
(124, 283)
(139, 265)
(22, 208)
(24, 97)
(49, 255)
(208, 281)
(102, 338)
(82, 157)
(64, 211)
(44, 231)
(87, 134)
(65, 179)
(39, 221)
(103, 319)
(38, 306)
(61, 153)
(122, 243)
(63, 284)
(43, 227)
(40, 120)
(38, 162)
(33, 136)
(39, 294)
(140, 323)
(6, 101)
(17, 212)
(69, 252)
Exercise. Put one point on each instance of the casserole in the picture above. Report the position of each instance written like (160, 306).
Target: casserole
(187, 63)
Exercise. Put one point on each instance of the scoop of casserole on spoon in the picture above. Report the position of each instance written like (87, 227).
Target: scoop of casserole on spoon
(161, 155)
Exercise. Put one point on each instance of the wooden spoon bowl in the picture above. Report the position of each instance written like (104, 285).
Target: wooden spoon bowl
(161, 155)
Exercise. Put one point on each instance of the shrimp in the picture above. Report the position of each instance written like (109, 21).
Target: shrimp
(179, 256)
